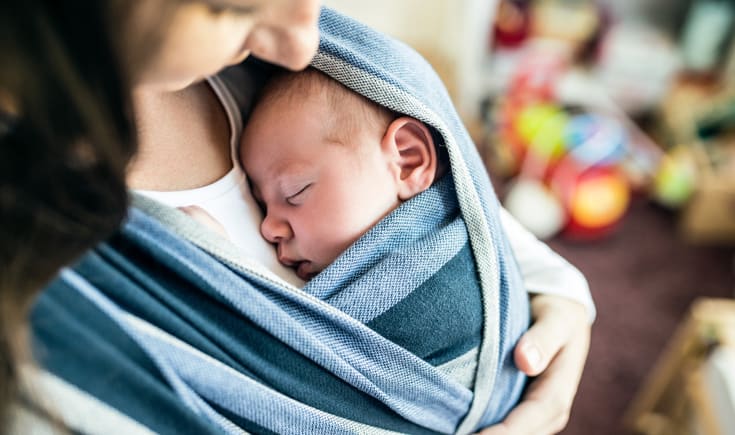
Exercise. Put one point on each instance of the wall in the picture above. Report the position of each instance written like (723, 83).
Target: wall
(451, 34)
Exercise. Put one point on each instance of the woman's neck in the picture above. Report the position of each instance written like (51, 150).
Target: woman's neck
(183, 139)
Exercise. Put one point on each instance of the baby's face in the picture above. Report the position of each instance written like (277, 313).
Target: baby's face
(319, 196)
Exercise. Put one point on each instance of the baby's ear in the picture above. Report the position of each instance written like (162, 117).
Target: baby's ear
(412, 147)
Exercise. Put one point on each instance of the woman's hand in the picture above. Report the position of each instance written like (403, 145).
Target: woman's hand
(554, 349)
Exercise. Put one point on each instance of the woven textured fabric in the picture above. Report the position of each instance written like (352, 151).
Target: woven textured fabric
(411, 330)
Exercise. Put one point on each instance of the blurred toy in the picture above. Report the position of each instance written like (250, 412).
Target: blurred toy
(596, 140)
(541, 64)
(599, 200)
(676, 178)
(570, 178)
(568, 165)
(594, 190)
(536, 207)
(573, 22)
(595, 198)
(542, 128)
(527, 109)
(512, 23)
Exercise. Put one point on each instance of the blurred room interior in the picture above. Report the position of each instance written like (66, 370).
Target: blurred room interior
(608, 128)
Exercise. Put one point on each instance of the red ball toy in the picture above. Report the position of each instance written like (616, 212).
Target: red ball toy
(595, 198)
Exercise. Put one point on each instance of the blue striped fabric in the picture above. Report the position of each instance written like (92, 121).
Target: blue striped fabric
(186, 340)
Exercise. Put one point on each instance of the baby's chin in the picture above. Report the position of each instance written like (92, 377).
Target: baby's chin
(306, 270)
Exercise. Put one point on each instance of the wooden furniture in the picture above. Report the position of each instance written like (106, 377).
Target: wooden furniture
(690, 391)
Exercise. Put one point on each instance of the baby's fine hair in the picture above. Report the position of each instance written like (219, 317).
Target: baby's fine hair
(351, 111)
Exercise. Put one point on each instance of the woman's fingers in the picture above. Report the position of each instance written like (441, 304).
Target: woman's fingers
(555, 321)
(530, 417)
(554, 390)
(561, 334)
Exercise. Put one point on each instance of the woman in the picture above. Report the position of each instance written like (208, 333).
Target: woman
(182, 141)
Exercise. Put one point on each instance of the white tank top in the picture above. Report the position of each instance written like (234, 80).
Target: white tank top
(228, 200)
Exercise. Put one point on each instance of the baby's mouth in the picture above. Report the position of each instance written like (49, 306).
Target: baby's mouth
(303, 268)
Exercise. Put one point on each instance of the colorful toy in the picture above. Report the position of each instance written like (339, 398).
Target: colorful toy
(511, 23)
(676, 179)
(595, 198)
(599, 199)
(538, 71)
(536, 207)
(570, 179)
(596, 140)
(542, 128)
(568, 165)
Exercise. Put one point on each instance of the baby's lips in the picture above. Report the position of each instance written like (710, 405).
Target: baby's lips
(303, 268)
(286, 261)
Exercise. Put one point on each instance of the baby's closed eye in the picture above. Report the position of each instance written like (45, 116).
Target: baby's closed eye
(299, 196)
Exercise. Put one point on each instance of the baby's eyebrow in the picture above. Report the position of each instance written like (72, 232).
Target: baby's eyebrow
(290, 184)
(291, 175)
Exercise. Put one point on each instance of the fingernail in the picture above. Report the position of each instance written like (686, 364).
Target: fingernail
(533, 356)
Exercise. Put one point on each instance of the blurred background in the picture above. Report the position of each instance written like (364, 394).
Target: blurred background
(608, 128)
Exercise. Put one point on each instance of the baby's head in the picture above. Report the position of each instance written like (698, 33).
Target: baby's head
(327, 164)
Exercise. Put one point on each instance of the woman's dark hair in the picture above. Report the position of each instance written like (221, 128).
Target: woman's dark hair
(66, 136)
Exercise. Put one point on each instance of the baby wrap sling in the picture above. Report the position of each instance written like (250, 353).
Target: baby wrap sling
(184, 337)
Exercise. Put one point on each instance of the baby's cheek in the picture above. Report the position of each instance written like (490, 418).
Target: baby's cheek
(335, 239)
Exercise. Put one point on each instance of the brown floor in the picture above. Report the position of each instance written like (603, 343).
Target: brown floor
(643, 279)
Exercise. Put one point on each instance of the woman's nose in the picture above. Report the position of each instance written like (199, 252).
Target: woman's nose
(275, 230)
(291, 37)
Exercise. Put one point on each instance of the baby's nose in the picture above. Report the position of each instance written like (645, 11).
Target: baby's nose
(275, 230)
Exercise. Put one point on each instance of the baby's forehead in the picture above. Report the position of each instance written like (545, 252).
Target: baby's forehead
(342, 111)
(310, 85)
